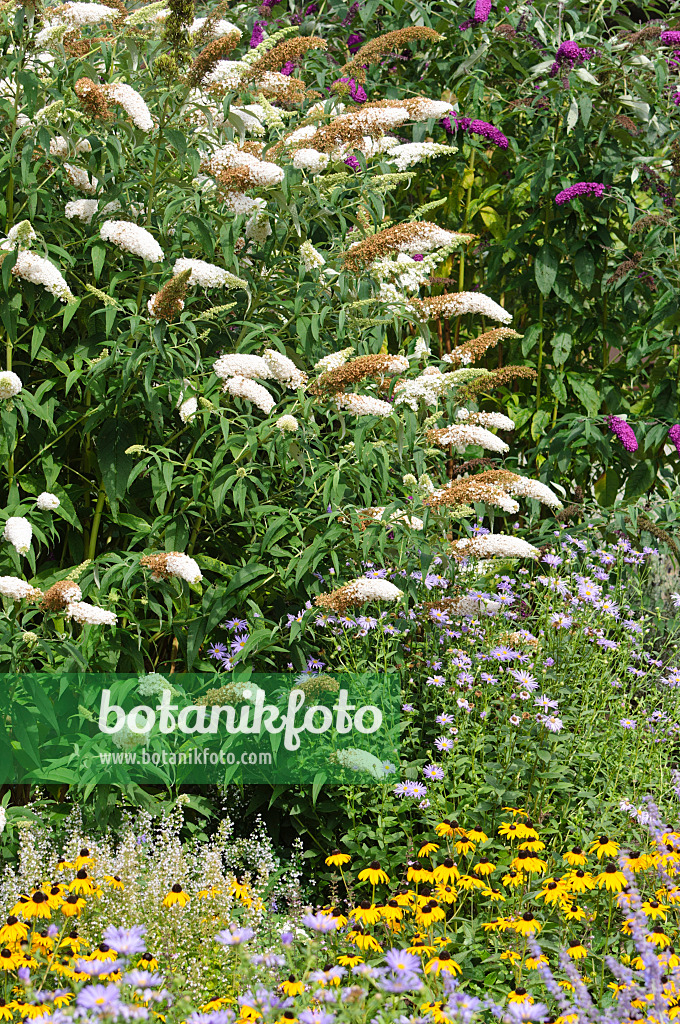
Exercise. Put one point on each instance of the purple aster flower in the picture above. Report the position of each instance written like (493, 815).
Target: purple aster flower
(627, 723)
(98, 968)
(443, 743)
(408, 708)
(125, 940)
(217, 651)
(257, 34)
(235, 936)
(433, 772)
(581, 188)
(319, 923)
(143, 979)
(100, 999)
(236, 624)
(316, 1017)
(287, 938)
(552, 560)
(623, 432)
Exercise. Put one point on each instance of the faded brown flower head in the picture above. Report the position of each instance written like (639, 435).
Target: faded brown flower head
(648, 221)
(289, 50)
(158, 565)
(168, 302)
(627, 122)
(624, 268)
(75, 46)
(470, 465)
(643, 35)
(505, 30)
(93, 98)
(469, 351)
(204, 63)
(60, 595)
(387, 241)
(336, 381)
(389, 43)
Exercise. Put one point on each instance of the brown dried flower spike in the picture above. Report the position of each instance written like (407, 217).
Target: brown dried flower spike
(93, 99)
(336, 381)
(391, 42)
(208, 58)
(60, 595)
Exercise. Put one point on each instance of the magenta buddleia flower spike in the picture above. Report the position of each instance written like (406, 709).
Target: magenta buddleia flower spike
(623, 432)
(581, 188)
(674, 434)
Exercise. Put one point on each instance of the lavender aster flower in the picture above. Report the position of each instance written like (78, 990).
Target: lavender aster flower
(623, 432)
(581, 188)
(125, 940)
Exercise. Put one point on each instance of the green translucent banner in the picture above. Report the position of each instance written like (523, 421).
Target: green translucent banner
(84, 729)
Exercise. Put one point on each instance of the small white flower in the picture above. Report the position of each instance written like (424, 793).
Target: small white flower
(10, 384)
(310, 160)
(311, 258)
(19, 532)
(47, 502)
(188, 410)
(287, 424)
(183, 566)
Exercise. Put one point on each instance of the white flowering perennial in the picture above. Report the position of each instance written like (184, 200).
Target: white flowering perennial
(461, 436)
(283, 369)
(78, 177)
(361, 761)
(401, 517)
(226, 75)
(365, 589)
(493, 544)
(287, 424)
(421, 108)
(409, 154)
(471, 607)
(334, 360)
(487, 419)
(310, 160)
(218, 28)
(80, 14)
(38, 270)
(208, 275)
(363, 405)
(17, 589)
(21, 236)
(525, 487)
(184, 567)
(188, 410)
(60, 147)
(132, 103)
(243, 387)
(310, 257)
(262, 172)
(19, 532)
(10, 384)
(240, 364)
(85, 209)
(425, 389)
(47, 502)
(89, 614)
(133, 239)
(460, 303)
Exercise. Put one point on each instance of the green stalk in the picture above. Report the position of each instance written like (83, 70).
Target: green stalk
(99, 508)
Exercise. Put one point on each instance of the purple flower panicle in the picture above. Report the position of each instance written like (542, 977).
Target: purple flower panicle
(356, 91)
(257, 34)
(674, 434)
(452, 123)
(354, 42)
(482, 11)
(623, 432)
(581, 188)
(570, 54)
(670, 38)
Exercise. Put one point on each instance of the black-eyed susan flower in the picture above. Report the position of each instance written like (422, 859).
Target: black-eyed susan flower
(443, 961)
(519, 995)
(446, 872)
(338, 915)
(41, 941)
(22, 900)
(64, 865)
(527, 924)
(102, 952)
(654, 910)
(579, 881)
(420, 947)
(36, 906)
(147, 962)
(535, 845)
(636, 861)
(464, 845)
(476, 834)
(516, 812)
(498, 924)
(552, 892)
(55, 895)
(427, 849)
(417, 873)
(572, 911)
(350, 960)
(6, 1010)
(532, 963)
(525, 830)
(575, 857)
(484, 867)
(529, 863)
(436, 1011)
(430, 913)
(392, 912)
(668, 958)
(214, 1004)
(72, 905)
(576, 950)
(366, 913)
(82, 884)
(604, 847)
(364, 940)
(83, 859)
(115, 881)
(405, 896)
(511, 956)
(611, 879)
(176, 895)
(495, 895)
(444, 829)
(374, 874)
(13, 931)
(513, 879)
(445, 894)
(292, 986)
(508, 829)
(336, 859)
(658, 937)
(10, 959)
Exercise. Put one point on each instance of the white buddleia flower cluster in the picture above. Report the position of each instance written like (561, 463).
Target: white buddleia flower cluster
(408, 154)
(218, 29)
(524, 487)
(18, 589)
(188, 409)
(421, 350)
(258, 227)
(494, 544)
(361, 761)
(152, 685)
(183, 566)
(81, 14)
(19, 532)
(401, 517)
(10, 384)
(244, 387)
(262, 172)
(460, 303)
(132, 103)
(421, 108)
(287, 424)
(78, 177)
(310, 160)
(226, 75)
(61, 147)
(310, 257)
(334, 360)
(21, 236)
(85, 209)
(36, 269)
(284, 370)
(426, 389)
(462, 436)
(239, 203)
(47, 502)
(89, 614)
(241, 364)
(133, 239)
(363, 405)
(486, 419)
(208, 275)
(470, 607)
